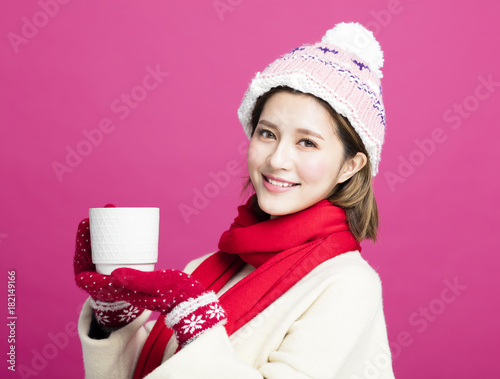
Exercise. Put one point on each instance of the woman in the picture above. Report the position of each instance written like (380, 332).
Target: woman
(295, 299)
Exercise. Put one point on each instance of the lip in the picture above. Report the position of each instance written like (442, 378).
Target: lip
(276, 189)
(277, 179)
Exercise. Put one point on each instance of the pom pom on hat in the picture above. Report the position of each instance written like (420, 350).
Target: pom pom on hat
(355, 38)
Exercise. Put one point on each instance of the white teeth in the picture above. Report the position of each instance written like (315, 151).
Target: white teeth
(279, 184)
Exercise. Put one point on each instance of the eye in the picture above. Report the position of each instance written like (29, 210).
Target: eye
(307, 143)
(266, 134)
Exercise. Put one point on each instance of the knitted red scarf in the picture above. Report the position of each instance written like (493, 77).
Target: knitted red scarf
(283, 250)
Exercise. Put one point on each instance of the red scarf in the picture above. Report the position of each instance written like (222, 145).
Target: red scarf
(283, 250)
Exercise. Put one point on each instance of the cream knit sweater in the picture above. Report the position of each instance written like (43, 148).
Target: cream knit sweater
(330, 324)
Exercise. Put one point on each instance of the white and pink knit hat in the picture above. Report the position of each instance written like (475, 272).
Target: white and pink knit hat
(344, 69)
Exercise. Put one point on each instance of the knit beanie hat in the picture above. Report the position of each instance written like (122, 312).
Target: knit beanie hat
(343, 69)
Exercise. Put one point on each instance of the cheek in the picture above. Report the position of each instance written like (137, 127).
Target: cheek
(255, 154)
(318, 169)
(252, 157)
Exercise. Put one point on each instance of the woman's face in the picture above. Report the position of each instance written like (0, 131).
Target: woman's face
(295, 159)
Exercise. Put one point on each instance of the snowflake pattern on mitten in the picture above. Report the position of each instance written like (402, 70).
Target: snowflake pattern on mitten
(114, 314)
(193, 317)
(189, 309)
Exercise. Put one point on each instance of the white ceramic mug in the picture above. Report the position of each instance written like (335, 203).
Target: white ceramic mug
(124, 237)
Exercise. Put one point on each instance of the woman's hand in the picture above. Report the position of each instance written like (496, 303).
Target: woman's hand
(119, 298)
(189, 309)
(108, 301)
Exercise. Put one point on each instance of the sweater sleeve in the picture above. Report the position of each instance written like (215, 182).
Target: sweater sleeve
(114, 357)
(340, 334)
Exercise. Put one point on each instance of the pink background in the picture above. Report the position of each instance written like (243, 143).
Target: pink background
(64, 76)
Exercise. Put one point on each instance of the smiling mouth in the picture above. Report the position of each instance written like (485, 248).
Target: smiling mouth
(277, 183)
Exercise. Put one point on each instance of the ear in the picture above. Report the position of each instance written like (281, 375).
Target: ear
(352, 166)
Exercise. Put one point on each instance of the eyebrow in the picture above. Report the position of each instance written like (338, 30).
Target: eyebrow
(300, 130)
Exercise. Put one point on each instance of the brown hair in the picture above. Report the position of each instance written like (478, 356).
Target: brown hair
(355, 195)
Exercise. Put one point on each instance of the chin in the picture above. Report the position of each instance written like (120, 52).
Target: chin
(273, 209)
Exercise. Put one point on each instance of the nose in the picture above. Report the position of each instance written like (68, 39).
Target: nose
(281, 157)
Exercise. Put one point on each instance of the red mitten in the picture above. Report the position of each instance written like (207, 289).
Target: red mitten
(111, 309)
(190, 310)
